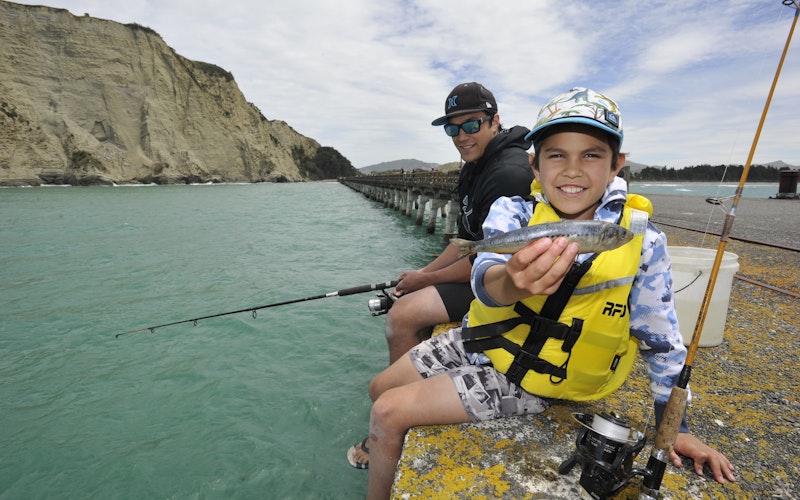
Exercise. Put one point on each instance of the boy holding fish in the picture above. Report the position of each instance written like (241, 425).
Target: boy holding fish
(548, 302)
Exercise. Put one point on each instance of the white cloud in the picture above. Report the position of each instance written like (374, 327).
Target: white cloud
(367, 77)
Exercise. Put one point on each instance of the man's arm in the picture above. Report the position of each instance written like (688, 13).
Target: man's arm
(446, 268)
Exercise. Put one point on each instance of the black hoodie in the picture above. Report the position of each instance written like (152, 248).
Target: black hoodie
(503, 170)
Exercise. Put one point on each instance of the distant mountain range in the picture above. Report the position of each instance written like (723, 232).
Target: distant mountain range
(410, 164)
(407, 164)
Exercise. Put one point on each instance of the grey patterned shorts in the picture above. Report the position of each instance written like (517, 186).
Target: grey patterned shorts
(485, 393)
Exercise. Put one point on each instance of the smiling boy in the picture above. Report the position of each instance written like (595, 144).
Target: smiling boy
(538, 331)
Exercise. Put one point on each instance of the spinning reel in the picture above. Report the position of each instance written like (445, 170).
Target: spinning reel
(381, 303)
(605, 449)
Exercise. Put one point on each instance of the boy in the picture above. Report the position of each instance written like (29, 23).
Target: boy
(578, 352)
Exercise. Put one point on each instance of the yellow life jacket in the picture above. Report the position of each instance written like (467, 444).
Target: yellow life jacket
(576, 343)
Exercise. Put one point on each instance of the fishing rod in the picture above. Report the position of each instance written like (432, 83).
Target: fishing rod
(673, 414)
(339, 293)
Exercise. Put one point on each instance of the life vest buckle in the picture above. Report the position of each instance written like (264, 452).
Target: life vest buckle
(572, 335)
(519, 367)
(524, 361)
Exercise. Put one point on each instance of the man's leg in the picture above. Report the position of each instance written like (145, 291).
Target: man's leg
(426, 401)
(410, 314)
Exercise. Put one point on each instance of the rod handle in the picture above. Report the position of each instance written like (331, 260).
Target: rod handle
(671, 421)
(367, 288)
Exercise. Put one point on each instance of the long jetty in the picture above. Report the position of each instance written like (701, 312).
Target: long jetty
(429, 193)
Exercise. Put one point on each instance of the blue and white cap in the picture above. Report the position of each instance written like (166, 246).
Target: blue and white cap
(580, 105)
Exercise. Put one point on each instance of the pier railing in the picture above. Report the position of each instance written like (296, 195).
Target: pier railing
(423, 192)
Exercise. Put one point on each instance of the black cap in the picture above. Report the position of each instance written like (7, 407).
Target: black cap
(467, 98)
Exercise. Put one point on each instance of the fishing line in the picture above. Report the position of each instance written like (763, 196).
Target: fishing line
(253, 310)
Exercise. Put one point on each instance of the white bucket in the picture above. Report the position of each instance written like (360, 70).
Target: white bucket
(691, 268)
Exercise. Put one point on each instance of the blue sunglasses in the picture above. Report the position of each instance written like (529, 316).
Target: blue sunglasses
(469, 126)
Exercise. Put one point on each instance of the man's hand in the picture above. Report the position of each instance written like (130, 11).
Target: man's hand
(411, 281)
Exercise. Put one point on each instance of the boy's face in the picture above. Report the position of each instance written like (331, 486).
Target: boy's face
(472, 146)
(574, 168)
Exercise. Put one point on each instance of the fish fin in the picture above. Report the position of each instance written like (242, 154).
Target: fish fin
(464, 246)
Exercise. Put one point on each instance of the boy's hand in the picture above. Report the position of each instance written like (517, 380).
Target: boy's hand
(702, 454)
(540, 267)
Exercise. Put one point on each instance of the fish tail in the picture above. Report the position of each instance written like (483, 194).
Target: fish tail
(465, 247)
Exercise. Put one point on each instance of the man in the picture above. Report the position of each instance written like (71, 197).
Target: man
(496, 164)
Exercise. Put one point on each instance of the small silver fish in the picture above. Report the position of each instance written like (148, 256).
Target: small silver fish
(592, 236)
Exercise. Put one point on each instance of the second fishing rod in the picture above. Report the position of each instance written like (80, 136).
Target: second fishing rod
(384, 302)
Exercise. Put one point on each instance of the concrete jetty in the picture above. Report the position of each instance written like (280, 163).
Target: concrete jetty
(745, 390)
(429, 193)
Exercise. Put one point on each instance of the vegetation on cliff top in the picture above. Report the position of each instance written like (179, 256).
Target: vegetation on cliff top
(326, 164)
(708, 173)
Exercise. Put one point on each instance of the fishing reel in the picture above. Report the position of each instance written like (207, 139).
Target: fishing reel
(605, 449)
(381, 303)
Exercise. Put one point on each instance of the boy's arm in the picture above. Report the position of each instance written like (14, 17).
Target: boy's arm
(654, 321)
(506, 214)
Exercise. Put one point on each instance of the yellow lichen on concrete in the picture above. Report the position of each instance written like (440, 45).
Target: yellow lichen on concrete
(450, 448)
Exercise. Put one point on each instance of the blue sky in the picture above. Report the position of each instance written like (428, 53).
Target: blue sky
(367, 77)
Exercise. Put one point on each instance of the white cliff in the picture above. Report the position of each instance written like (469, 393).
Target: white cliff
(92, 101)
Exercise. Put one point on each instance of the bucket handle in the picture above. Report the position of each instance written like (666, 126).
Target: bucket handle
(699, 273)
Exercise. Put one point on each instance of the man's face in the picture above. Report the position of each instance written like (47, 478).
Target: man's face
(472, 146)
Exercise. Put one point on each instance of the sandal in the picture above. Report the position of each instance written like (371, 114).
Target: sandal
(351, 454)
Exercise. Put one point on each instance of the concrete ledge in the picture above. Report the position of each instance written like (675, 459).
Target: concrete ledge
(745, 403)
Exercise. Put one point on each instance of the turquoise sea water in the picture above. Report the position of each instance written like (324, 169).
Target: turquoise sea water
(234, 407)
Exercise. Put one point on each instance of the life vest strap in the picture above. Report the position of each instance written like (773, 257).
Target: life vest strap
(523, 360)
(540, 326)
(524, 357)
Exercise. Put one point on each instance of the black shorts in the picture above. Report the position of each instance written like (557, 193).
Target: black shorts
(457, 298)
